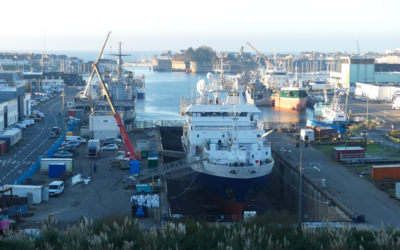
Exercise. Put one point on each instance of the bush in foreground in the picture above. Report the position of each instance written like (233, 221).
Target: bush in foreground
(272, 231)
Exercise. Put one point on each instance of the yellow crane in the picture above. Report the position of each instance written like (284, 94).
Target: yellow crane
(268, 62)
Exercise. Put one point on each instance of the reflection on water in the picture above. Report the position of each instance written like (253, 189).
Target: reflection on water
(164, 89)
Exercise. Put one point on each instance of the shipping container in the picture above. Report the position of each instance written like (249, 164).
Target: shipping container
(79, 113)
(45, 162)
(71, 112)
(70, 133)
(56, 168)
(8, 142)
(385, 172)
(3, 147)
(23, 190)
(142, 145)
(152, 162)
(341, 153)
(15, 136)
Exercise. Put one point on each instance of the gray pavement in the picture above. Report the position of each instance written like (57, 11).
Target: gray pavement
(104, 195)
(35, 141)
(351, 189)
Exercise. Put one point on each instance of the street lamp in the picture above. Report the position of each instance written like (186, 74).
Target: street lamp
(301, 175)
(63, 113)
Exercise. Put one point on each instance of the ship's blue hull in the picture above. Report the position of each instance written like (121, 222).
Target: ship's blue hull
(140, 95)
(231, 194)
(340, 127)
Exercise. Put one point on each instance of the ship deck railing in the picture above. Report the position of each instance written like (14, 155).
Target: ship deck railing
(204, 128)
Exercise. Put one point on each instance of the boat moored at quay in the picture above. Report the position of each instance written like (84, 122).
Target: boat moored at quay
(221, 126)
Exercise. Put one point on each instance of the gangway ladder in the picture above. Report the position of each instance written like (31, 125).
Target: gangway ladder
(171, 167)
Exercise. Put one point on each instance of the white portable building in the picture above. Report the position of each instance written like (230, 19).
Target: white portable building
(307, 132)
(23, 190)
(45, 162)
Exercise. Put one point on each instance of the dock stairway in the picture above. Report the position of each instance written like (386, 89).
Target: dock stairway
(171, 153)
(171, 167)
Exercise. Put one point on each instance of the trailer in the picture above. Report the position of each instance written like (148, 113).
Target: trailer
(94, 148)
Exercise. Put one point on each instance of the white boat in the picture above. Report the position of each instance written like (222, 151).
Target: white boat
(257, 94)
(321, 106)
(334, 114)
(220, 125)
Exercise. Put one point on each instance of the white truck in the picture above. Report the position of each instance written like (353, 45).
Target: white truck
(94, 148)
(396, 101)
(121, 156)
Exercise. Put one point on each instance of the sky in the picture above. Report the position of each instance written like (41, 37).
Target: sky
(285, 25)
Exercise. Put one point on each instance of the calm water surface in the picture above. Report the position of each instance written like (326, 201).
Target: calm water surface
(164, 89)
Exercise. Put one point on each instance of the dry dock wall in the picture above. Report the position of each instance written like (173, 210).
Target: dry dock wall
(317, 204)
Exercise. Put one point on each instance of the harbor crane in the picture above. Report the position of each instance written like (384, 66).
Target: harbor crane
(266, 60)
(129, 151)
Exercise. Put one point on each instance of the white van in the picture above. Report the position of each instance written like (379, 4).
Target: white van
(29, 122)
(56, 188)
(22, 124)
(75, 138)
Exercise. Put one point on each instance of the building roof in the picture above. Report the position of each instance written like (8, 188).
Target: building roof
(386, 166)
(347, 148)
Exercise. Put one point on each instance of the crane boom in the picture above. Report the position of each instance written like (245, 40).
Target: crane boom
(93, 71)
(129, 151)
(268, 62)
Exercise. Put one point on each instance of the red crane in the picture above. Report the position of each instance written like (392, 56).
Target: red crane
(129, 151)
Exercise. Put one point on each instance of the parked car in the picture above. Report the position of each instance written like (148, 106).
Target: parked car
(363, 99)
(56, 130)
(67, 148)
(331, 93)
(110, 147)
(73, 143)
(63, 155)
(363, 133)
(114, 139)
(357, 97)
(107, 142)
(376, 101)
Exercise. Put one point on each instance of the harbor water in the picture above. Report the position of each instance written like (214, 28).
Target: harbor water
(164, 89)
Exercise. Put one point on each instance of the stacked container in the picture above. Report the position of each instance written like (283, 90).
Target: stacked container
(3, 147)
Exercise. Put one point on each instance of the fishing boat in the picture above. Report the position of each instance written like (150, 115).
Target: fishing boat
(333, 116)
(220, 125)
(321, 106)
(257, 94)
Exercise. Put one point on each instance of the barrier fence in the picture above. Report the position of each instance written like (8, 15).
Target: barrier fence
(35, 166)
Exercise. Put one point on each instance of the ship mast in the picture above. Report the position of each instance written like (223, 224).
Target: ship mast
(119, 62)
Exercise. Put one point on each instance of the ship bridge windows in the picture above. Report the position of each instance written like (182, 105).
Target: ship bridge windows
(233, 93)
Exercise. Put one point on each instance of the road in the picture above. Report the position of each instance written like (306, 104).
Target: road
(35, 140)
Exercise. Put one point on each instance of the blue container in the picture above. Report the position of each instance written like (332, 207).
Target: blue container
(134, 167)
(153, 154)
(55, 169)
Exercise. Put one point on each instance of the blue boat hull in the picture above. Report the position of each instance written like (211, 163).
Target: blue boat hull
(140, 95)
(231, 194)
(341, 127)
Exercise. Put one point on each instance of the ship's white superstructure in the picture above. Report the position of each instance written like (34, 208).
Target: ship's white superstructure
(220, 125)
